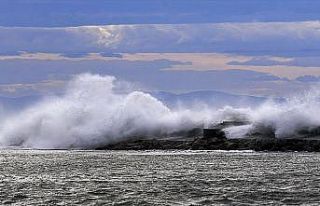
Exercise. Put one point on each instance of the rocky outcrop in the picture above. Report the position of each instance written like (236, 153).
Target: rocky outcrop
(260, 144)
(262, 139)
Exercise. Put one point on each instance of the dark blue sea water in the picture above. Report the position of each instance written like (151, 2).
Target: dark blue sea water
(44, 177)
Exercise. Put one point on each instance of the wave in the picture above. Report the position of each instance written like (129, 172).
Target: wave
(94, 111)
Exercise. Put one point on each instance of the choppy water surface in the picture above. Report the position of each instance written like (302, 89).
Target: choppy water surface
(158, 177)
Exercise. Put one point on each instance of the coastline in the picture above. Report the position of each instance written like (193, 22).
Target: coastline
(200, 143)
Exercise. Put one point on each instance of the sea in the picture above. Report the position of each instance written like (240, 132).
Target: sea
(75, 177)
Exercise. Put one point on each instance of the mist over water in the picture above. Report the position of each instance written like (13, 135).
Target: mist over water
(96, 111)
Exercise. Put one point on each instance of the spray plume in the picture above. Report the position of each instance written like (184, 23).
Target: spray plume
(93, 112)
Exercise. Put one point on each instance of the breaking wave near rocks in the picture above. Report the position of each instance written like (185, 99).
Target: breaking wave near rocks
(92, 112)
(95, 111)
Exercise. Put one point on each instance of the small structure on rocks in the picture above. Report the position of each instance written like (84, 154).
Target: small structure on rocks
(216, 131)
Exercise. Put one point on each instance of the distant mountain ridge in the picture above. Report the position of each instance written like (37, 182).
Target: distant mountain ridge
(210, 98)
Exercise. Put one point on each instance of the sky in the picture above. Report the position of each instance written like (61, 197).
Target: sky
(252, 47)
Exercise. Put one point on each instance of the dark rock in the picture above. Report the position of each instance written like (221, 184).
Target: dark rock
(209, 143)
(263, 144)
(213, 133)
(263, 131)
(262, 138)
(259, 144)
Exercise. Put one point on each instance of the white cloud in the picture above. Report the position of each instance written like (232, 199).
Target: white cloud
(282, 49)
(256, 38)
(288, 68)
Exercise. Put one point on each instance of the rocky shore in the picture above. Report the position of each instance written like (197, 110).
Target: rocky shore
(260, 144)
(215, 139)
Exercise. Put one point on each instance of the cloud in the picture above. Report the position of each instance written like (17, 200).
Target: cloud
(273, 38)
(272, 56)
(151, 75)
(61, 56)
(277, 61)
(223, 61)
(277, 67)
